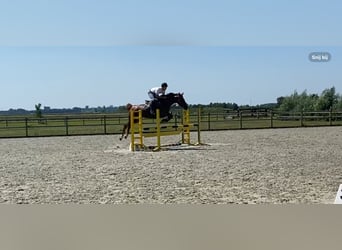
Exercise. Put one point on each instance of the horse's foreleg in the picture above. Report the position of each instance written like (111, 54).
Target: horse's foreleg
(127, 130)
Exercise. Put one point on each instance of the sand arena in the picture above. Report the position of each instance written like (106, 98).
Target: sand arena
(297, 165)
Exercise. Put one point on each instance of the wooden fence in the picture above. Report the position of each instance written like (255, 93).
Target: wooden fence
(112, 123)
(250, 119)
(60, 126)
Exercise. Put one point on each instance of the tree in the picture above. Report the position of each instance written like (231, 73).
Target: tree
(327, 100)
(280, 100)
(38, 110)
(305, 102)
(338, 105)
(235, 106)
(289, 103)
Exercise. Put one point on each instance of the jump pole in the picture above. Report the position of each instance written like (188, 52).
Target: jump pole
(198, 126)
(186, 127)
(158, 130)
(141, 129)
(159, 133)
(133, 129)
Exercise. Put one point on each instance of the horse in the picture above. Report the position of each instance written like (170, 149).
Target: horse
(163, 103)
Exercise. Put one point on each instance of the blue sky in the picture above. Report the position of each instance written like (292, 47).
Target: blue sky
(73, 53)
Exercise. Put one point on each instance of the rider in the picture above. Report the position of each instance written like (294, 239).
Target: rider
(155, 94)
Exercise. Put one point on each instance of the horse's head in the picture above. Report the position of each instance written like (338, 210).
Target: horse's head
(179, 99)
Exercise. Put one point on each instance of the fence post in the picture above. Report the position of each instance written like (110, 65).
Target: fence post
(104, 125)
(26, 126)
(271, 113)
(330, 116)
(209, 121)
(66, 126)
(302, 118)
(240, 114)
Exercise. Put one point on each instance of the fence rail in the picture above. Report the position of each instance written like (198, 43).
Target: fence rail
(112, 124)
(59, 126)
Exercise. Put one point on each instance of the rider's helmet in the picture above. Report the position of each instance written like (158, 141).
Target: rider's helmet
(164, 85)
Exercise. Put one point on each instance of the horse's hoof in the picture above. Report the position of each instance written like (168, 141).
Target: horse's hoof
(120, 138)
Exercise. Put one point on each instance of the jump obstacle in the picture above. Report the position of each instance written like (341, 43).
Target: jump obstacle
(139, 132)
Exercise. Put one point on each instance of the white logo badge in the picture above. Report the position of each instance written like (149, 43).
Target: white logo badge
(338, 199)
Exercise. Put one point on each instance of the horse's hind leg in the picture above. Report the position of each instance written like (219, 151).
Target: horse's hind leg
(125, 127)
(167, 118)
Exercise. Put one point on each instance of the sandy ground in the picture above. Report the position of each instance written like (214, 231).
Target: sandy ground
(297, 165)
